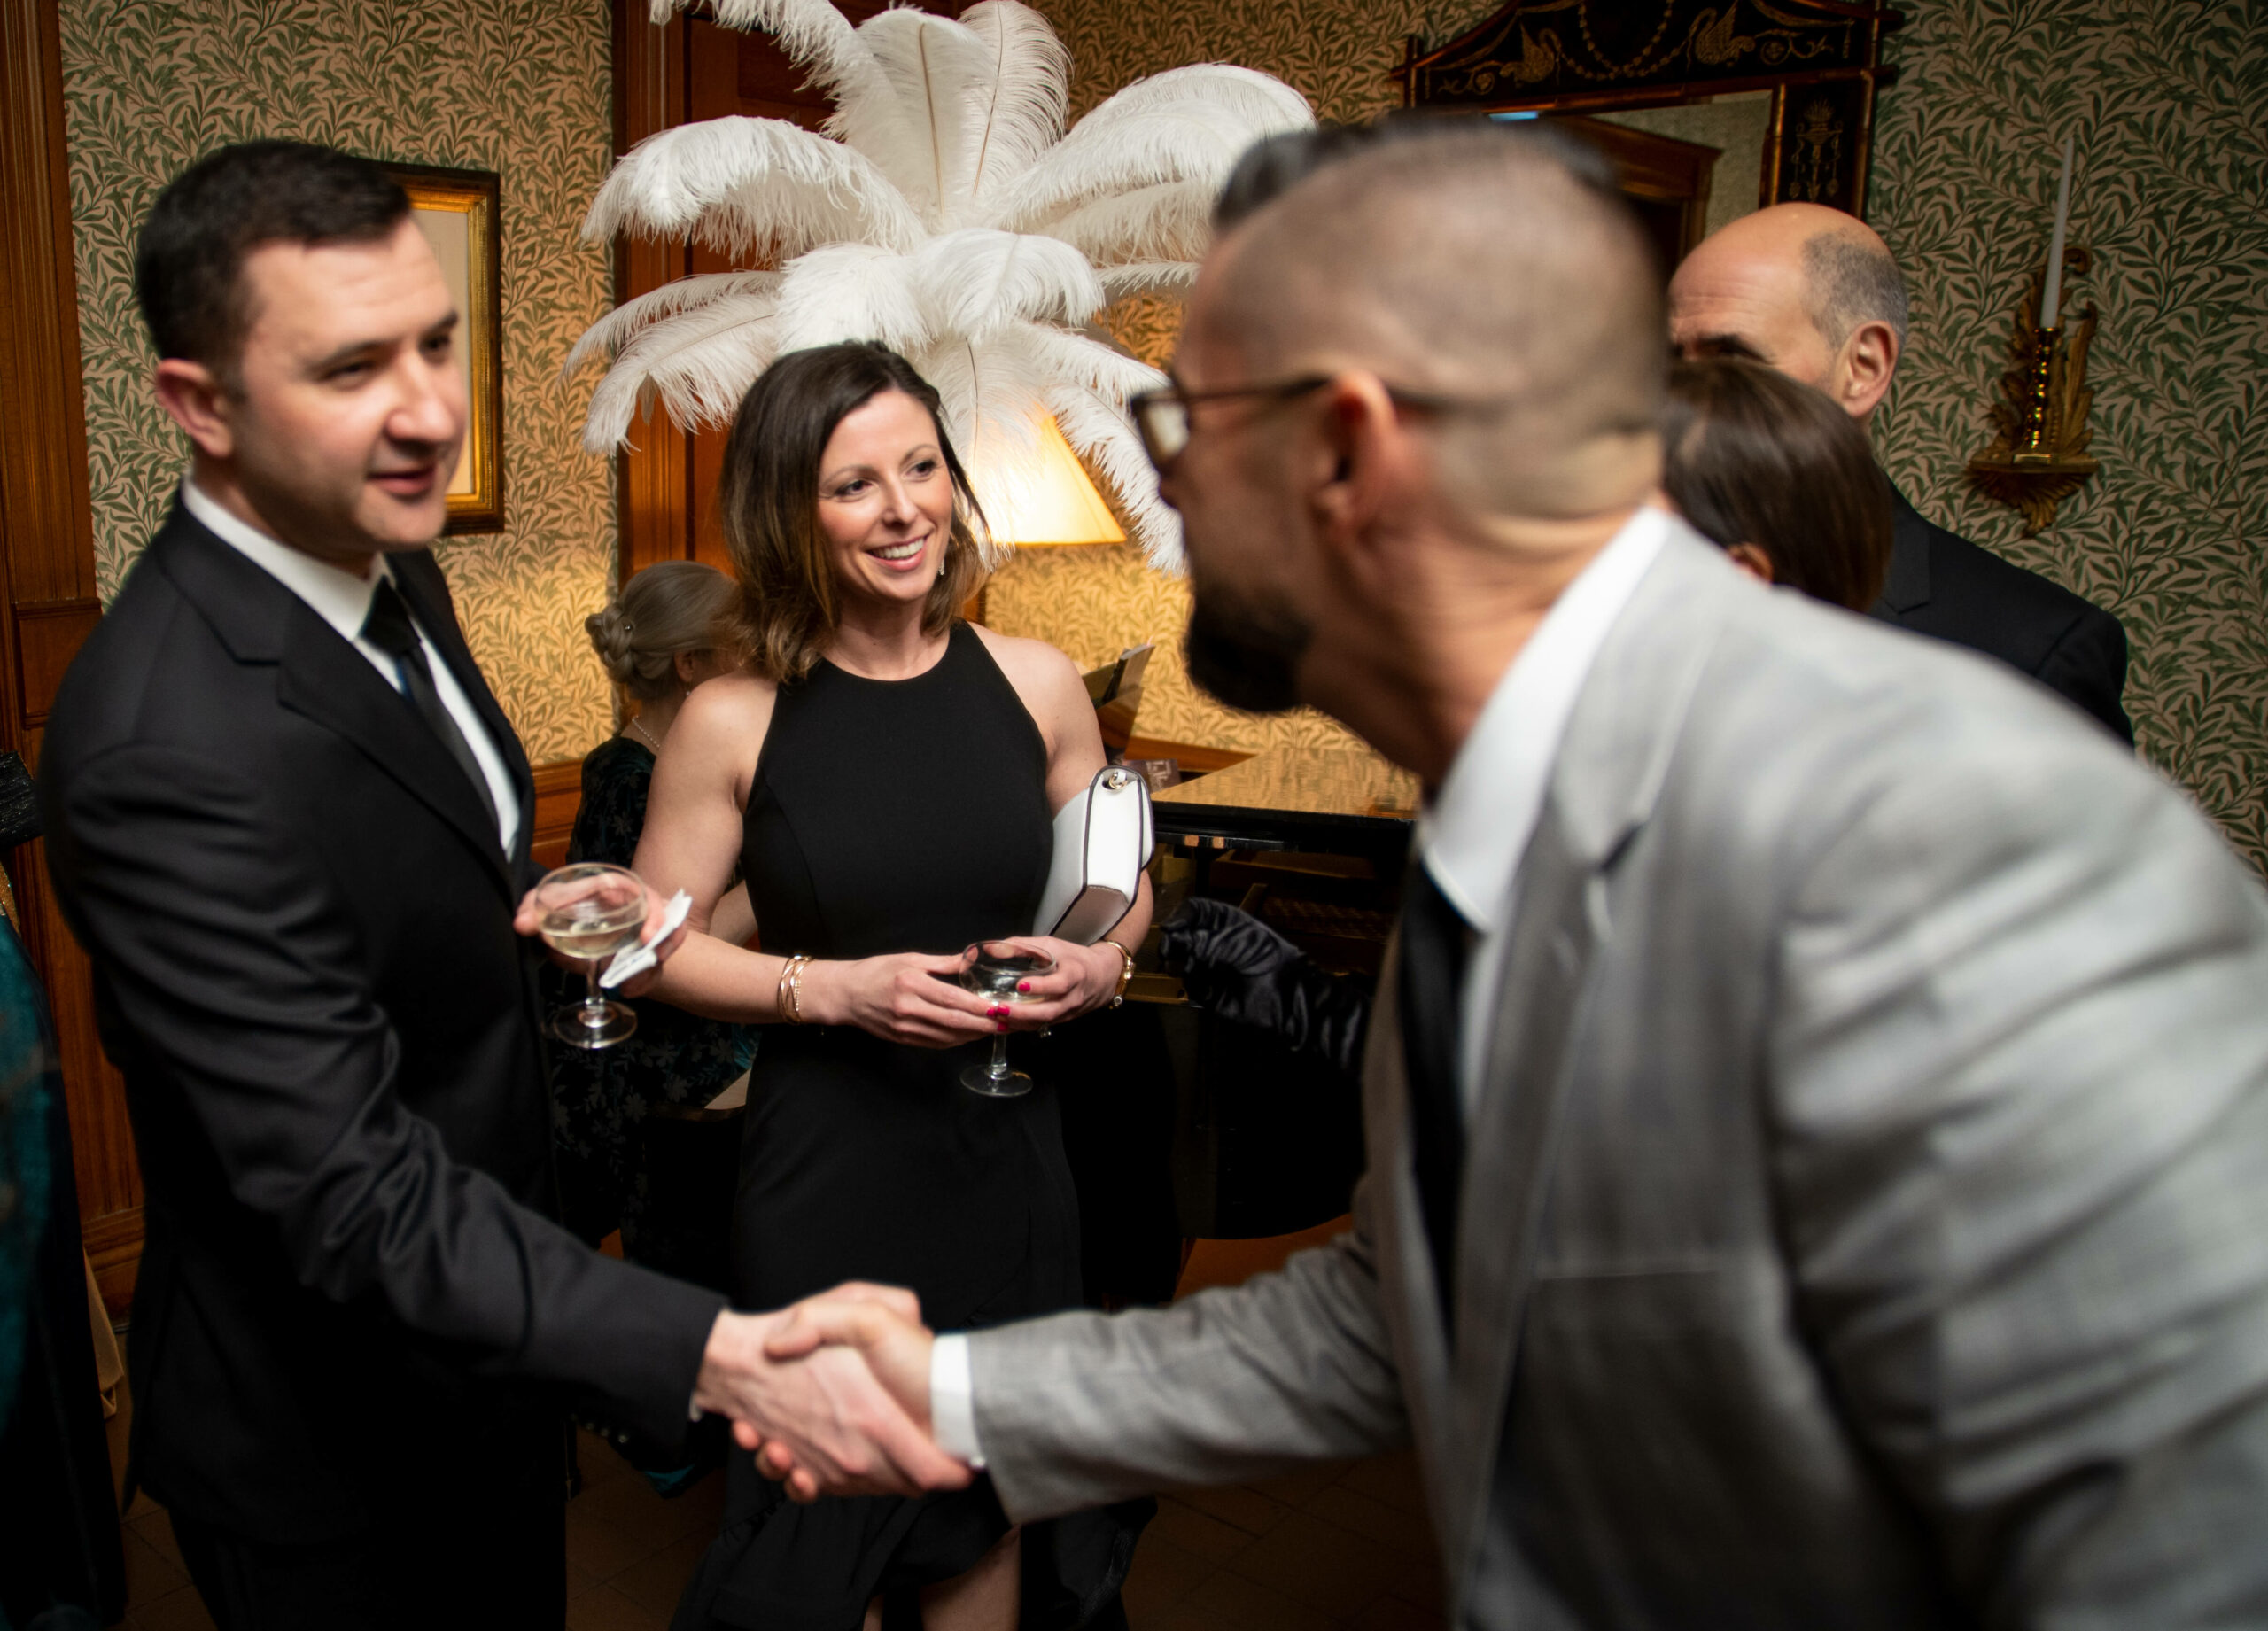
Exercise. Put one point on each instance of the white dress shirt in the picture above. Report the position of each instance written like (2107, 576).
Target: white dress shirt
(343, 600)
(1470, 837)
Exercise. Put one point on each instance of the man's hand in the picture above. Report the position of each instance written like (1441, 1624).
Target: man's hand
(527, 919)
(884, 1327)
(824, 1422)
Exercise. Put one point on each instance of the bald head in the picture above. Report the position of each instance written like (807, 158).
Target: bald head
(1474, 265)
(1812, 291)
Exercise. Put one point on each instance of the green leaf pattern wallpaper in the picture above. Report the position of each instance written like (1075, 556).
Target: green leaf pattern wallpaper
(2164, 99)
(519, 87)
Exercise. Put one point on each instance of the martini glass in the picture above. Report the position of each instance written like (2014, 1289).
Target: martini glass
(590, 911)
(994, 969)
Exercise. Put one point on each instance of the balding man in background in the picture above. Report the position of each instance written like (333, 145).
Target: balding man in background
(1818, 1110)
(1816, 294)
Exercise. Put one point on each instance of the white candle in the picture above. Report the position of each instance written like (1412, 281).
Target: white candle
(2051, 302)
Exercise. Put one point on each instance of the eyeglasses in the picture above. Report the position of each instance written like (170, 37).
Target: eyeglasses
(1163, 417)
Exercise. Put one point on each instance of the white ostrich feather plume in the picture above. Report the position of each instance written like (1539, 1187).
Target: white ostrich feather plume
(945, 213)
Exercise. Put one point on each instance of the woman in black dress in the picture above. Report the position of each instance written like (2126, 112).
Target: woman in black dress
(667, 632)
(885, 776)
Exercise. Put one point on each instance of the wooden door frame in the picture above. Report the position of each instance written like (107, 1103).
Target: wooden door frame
(47, 603)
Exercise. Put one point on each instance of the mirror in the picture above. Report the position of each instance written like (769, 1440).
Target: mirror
(1709, 108)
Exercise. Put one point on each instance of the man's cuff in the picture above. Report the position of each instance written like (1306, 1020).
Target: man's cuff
(952, 1400)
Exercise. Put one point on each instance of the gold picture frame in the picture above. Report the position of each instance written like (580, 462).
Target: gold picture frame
(457, 212)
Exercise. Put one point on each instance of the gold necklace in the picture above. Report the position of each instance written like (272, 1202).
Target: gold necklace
(640, 728)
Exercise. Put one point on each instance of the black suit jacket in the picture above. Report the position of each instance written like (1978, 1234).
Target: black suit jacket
(300, 923)
(1944, 586)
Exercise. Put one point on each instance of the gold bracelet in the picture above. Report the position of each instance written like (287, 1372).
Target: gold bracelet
(1125, 972)
(790, 998)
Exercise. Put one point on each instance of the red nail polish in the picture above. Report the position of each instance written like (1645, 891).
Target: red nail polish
(1023, 985)
(996, 1013)
(1002, 1027)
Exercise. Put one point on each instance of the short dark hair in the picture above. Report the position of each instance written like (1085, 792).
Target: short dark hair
(768, 500)
(188, 269)
(1851, 281)
(1753, 457)
(1274, 165)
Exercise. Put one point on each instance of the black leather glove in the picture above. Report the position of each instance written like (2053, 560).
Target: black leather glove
(1235, 966)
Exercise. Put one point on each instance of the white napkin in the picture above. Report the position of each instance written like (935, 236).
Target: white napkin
(634, 960)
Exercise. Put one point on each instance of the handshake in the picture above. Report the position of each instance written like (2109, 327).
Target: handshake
(831, 1393)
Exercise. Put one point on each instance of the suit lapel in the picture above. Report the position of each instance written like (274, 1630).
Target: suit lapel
(322, 678)
(1604, 783)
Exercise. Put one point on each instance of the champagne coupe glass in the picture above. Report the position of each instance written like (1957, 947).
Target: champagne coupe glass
(590, 911)
(994, 969)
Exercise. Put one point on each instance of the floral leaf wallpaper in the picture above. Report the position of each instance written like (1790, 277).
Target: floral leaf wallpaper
(519, 87)
(2170, 196)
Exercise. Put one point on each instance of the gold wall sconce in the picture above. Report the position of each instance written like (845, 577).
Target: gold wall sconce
(2038, 454)
(2039, 458)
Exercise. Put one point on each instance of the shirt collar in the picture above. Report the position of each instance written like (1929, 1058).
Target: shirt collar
(337, 596)
(1472, 835)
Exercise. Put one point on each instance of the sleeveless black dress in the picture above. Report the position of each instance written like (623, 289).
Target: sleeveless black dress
(897, 816)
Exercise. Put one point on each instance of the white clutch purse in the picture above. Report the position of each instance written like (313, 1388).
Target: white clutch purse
(1102, 842)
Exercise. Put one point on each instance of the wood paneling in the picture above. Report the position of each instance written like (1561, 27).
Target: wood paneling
(49, 635)
(47, 569)
(558, 796)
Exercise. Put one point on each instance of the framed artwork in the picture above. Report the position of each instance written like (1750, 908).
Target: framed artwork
(456, 211)
(1702, 105)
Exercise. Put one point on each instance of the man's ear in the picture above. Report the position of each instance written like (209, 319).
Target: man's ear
(1869, 358)
(195, 400)
(1357, 467)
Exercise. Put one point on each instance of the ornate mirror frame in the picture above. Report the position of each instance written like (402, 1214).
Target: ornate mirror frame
(1819, 59)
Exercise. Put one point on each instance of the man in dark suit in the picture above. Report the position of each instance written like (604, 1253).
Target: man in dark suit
(289, 824)
(1816, 294)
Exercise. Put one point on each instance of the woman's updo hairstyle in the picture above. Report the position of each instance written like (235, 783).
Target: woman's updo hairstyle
(669, 607)
(769, 501)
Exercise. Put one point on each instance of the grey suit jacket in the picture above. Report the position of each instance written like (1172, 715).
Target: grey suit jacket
(1866, 1215)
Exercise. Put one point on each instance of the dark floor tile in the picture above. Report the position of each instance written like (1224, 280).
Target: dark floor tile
(177, 1610)
(149, 1574)
(1298, 1488)
(1229, 1603)
(1239, 1504)
(608, 1610)
(1194, 1531)
(1162, 1575)
(659, 1582)
(611, 1526)
(597, 1461)
(1325, 1567)
(157, 1528)
(1348, 1508)
(1392, 1480)
(1393, 1614)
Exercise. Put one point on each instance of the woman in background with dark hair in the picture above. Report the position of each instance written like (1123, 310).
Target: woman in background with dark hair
(1778, 476)
(885, 776)
(667, 632)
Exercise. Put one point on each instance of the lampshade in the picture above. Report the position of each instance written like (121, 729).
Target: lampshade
(1049, 501)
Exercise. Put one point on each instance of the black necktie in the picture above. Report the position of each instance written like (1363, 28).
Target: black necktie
(388, 628)
(1436, 945)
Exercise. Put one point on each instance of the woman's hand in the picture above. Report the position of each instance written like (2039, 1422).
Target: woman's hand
(1085, 978)
(908, 997)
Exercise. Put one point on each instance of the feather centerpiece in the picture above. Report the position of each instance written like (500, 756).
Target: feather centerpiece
(946, 212)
